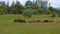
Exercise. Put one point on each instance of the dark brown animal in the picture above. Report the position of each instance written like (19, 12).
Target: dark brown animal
(33, 21)
(48, 20)
(38, 21)
(45, 20)
(19, 20)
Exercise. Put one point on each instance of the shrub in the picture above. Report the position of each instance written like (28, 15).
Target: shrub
(58, 15)
(48, 12)
(53, 15)
(27, 13)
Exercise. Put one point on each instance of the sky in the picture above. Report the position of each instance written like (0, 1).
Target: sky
(54, 3)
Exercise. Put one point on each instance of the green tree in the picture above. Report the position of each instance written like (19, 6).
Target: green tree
(39, 11)
(28, 3)
(17, 8)
(13, 3)
(3, 8)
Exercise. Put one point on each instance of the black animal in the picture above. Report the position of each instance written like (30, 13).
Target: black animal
(45, 20)
(19, 20)
(48, 20)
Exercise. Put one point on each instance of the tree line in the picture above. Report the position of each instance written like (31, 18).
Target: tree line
(28, 9)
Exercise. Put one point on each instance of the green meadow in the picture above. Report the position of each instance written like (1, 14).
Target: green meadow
(7, 26)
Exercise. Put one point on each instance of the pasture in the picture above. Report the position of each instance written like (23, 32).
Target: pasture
(8, 27)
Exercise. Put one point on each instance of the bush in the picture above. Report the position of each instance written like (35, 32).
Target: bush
(27, 13)
(58, 15)
(40, 11)
(53, 15)
(48, 12)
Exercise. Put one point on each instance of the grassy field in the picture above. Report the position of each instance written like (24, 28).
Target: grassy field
(8, 27)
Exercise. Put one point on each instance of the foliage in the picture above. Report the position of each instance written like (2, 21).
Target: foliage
(53, 15)
(17, 8)
(28, 3)
(58, 15)
(40, 11)
(48, 12)
(32, 7)
(27, 13)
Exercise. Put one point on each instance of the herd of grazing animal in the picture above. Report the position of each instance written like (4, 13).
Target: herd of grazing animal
(33, 21)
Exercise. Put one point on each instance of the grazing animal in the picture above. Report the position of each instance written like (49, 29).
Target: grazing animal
(48, 20)
(19, 20)
(51, 21)
(38, 21)
(33, 21)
